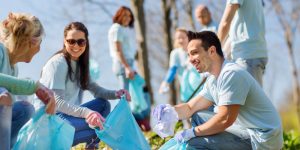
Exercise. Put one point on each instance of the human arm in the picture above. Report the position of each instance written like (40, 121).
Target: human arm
(168, 79)
(129, 72)
(18, 86)
(226, 20)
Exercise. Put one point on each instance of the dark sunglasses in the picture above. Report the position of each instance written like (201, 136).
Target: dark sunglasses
(80, 42)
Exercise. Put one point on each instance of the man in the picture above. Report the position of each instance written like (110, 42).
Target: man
(246, 118)
(203, 15)
(244, 22)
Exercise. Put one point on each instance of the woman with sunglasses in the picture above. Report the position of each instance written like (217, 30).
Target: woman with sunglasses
(67, 74)
(119, 44)
(20, 39)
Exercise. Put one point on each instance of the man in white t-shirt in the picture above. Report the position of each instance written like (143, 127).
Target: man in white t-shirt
(246, 118)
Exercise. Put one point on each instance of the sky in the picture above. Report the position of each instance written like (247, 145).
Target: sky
(277, 78)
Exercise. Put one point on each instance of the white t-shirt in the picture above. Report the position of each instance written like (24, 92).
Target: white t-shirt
(118, 33)
(257, 113)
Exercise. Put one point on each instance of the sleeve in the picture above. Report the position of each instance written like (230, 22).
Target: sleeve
(205, 92)
(171, 74)
(234, 88)
(17, 86)
(100, 92)
(117, 35)
(173, 59)
(69, 109)
(54, 74)
(240, 2)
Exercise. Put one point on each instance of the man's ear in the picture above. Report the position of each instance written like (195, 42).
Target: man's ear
(212, 50)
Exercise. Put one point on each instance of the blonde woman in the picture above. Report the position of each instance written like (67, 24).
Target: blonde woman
(21, 36)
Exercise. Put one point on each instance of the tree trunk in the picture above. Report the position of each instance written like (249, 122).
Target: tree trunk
(289, 32)
(167, 25)
(189, 10)
(140, 27)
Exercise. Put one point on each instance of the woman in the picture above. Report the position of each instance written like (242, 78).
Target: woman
(20, 39)
(67, 74)
(119, 44)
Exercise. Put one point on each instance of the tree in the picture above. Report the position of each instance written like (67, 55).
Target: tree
(289, 22)
(140, 27)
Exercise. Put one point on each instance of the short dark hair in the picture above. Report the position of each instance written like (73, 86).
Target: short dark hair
(208, 39)
(120, 14)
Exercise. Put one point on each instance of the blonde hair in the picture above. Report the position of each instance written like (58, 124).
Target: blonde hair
(183, 30)
(20, 30)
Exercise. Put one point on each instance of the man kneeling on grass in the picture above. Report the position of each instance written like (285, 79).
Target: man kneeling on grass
(246, 118)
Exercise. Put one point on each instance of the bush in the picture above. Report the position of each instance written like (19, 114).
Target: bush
(291, 140)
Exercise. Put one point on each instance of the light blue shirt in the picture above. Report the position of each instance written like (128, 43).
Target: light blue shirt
(247, 30)
(55, 77)
(257, 113)
(178, 58)
(212, 26)
(5, 66)
(118, 33)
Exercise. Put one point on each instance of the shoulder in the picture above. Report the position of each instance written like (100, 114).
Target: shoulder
(233, 72)
(57, 61)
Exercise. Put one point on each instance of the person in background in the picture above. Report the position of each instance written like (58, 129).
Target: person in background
(246, 118)
(121, 50)
(247, 33)
(67, 74)
(20, 39)
(203, 16)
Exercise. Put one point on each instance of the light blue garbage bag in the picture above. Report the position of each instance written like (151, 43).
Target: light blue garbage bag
(45, 132)
(121, 130)
(138, 103)
(189, 82)
(173, 145)
(94, 70)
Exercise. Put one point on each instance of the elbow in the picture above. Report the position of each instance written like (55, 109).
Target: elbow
(227, 123)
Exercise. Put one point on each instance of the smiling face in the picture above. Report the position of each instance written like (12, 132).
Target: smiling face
(203, 15)
(126, 18)
(75, 49)
(200, 58)
(181, 39)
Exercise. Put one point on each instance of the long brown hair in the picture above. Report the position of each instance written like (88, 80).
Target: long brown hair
(120, 14)
(82, 72)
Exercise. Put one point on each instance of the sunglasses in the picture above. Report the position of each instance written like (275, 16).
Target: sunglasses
(80, 42)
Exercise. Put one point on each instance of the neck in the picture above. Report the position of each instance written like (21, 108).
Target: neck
(217, 67)
(13, 58)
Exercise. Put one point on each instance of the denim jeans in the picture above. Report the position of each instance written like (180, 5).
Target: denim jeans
(83, 133)
(12, 119)
(233, 138)
(256, 67)
(119, 71)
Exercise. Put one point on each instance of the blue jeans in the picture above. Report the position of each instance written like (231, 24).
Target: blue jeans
(12, 119)
(256, 67)
(233, 138)
(119, 71)
(83, 133)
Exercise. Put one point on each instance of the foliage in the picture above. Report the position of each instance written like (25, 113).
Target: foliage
(291, 140)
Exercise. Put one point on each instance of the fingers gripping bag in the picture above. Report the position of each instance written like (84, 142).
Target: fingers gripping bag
(45, 132)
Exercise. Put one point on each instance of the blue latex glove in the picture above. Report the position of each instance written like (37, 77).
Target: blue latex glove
(158, 111)
(185, 135)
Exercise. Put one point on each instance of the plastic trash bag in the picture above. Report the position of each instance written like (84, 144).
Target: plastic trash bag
(94, 70)
(45, 132)
(173, 145)
(166, 125)
(189, 83)
(145, 113)
(121, 130)
(138, 102)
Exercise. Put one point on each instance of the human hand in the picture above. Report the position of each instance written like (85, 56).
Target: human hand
(121, 92)
(5, 98)
(184, 135)
(47, 97)
(129, 73)
(95, 119)
(164, 87)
